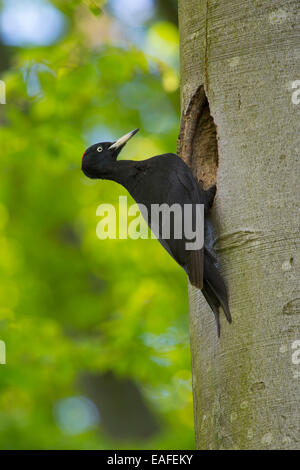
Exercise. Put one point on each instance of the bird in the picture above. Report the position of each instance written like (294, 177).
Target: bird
(164, 179)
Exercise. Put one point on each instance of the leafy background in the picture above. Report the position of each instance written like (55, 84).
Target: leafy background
(96, 332)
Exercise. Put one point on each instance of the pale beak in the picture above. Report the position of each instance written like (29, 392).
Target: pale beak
(123, 140)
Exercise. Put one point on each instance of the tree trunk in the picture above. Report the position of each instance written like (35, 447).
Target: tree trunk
(240, 129)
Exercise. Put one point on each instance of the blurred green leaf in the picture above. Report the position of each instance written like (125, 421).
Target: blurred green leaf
(71, 303)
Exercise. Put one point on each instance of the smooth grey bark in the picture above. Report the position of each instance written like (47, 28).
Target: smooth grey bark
(245, 55)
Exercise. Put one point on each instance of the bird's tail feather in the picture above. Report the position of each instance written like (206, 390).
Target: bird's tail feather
(214, 289)
(213, 303)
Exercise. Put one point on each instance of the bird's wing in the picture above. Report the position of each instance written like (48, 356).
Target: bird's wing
(194, 189)
(196, 195)
(184, 189)
(174, 183)
(194, 267)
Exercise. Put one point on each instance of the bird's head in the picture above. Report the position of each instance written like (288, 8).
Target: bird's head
(100, 156)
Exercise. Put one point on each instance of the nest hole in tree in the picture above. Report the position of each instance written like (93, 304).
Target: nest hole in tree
(197, 141)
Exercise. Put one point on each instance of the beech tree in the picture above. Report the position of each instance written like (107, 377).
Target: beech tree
(240, 129)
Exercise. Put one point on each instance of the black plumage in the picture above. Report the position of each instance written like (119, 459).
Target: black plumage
(164, 179)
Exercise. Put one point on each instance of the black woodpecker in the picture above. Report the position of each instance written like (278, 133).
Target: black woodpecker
(164, 179)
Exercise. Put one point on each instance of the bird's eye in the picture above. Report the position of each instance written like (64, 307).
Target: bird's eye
(99, 149)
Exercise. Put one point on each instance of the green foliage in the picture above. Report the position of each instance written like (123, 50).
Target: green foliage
(70, 302)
